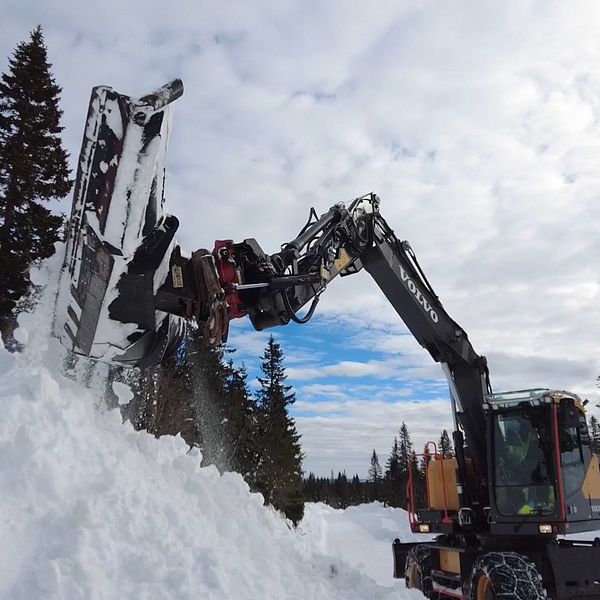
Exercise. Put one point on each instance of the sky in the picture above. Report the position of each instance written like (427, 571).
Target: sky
(477, 124)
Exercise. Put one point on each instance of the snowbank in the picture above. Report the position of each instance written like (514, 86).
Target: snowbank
(362, 536)
(91, 509)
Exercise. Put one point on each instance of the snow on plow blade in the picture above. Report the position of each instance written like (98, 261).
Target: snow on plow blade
(119, 240)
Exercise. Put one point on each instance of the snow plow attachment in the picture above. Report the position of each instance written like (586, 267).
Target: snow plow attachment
(120, 244)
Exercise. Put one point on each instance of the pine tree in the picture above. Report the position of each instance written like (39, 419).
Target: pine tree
(404, 453)
(279, 472)
(445, 445)
(375, 469)
(243, 450)
(185, 395)
(391, 467)
(393, 491)
(163, 396)
(375, 477)
(33, 169)
(209, 401)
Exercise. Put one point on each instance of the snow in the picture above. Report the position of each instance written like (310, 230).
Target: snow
(361, 535)
(124, 394)
(91, 509)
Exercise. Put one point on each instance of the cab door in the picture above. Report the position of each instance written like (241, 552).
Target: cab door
(579, 467)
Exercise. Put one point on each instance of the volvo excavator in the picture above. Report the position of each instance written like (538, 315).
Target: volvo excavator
(522, 475)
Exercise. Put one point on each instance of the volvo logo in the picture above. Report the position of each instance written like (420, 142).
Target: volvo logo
(416, 292)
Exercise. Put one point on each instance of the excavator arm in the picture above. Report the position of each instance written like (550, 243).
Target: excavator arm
(273, 289)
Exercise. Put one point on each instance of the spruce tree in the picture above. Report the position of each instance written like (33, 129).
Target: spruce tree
(357, 491)
(375, 469)
(162, 401)
(339, 493)
(242, 424)
(185, 395)
(445, 445)
(310, 487)
(208, 374)
(425, 461)
(375, 477)
(279, 472)
(391, 467)
(405, 452)
(33, 169)
(393, 491)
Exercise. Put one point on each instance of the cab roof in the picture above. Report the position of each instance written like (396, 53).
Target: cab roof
(532, 397)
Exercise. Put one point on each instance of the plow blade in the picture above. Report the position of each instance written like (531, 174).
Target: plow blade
(119, 240)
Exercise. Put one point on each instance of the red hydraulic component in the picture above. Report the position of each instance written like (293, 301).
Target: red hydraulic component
(224, 254)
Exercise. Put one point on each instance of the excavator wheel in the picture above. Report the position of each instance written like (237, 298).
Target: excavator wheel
(505, 576)
(418, 570)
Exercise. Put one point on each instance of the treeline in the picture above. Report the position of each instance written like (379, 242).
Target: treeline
(382, 485)
(389, 485)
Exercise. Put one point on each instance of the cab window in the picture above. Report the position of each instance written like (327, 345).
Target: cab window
(571, 456)
(523, 464)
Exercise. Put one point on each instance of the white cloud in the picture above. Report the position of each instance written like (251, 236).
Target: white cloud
(323, 389)
(341, 435)
(345, 368)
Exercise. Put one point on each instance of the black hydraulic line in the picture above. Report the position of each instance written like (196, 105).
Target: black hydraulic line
(291, 250)
(312, 217)
(293, 316)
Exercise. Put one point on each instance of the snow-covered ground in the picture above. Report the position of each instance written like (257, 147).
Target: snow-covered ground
(91, 509)
(360, 535)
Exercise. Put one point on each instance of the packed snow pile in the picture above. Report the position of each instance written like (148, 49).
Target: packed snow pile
(92, 509)
(359, 535)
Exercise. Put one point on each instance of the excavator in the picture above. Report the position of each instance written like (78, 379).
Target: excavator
(522, 475)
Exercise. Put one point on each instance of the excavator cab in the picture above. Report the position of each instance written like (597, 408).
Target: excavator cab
(544, 475)
(524, 466)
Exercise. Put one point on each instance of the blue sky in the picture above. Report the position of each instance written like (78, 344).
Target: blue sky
(477, 123)
(350, 397)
